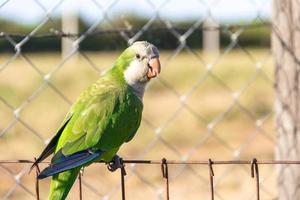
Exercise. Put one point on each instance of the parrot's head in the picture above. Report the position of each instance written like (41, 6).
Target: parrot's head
(139, 63)
(143, 62)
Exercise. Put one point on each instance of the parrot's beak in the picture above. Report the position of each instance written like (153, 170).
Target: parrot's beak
(154, 67)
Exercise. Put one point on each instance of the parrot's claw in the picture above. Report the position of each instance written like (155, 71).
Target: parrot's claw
(115, 163)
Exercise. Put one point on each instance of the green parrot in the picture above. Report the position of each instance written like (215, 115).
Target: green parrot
(106, 115)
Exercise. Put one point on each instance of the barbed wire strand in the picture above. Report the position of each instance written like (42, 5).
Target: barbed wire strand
(255, 174)
(211, 178)
(60, 34)
(183, 162)
(123, 174)
(80, 184)
(165, 172)
(37, 187)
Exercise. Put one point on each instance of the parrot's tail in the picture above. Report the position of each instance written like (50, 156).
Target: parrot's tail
(61, 184)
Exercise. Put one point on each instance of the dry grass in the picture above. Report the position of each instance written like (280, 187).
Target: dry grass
(209, 100)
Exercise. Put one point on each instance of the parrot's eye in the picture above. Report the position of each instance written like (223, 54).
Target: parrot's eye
(137, 56)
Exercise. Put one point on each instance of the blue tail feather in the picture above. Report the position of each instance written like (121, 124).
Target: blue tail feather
(61, 163)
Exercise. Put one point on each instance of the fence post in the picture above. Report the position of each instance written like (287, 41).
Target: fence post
(211, 37)
(286, 51)
(69, 24)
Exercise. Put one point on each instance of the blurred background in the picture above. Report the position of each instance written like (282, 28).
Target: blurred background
(213, 99)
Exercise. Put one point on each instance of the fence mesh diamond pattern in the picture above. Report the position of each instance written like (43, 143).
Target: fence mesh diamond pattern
(204, 105)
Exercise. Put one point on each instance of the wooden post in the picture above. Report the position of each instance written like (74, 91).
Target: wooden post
(69, 25)
(211, 37)
(286, 51)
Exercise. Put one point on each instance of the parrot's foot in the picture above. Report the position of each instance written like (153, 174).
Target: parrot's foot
(115, 163)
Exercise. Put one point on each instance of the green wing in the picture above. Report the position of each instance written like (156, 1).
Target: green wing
(105, 116)
(90, 116)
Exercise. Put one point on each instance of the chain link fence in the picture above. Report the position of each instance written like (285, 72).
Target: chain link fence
(206, 104)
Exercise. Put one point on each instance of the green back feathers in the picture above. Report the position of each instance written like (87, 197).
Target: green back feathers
(105, 115)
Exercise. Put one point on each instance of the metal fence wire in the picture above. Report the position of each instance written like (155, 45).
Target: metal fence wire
(254, 167)
(203, 105)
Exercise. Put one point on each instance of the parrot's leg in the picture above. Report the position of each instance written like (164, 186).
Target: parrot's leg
(115, 163)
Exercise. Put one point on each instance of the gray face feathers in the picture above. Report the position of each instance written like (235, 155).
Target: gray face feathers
(145, 49)
(143, 67)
